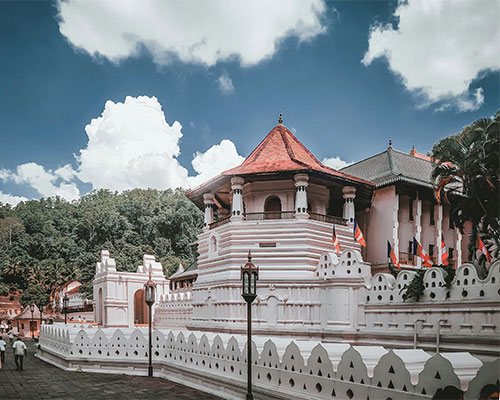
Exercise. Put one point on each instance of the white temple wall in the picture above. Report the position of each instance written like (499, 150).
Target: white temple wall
(256, 193)
(283, 369)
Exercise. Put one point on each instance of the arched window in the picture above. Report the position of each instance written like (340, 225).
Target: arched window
(272, 208)
(213, 244)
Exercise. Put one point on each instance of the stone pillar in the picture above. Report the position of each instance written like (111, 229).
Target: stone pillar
(349, 194)
(208, 200)
(418, 226)
(439, 233)
(458, 248)
(301, 183)
(395, 227)
(237, 204)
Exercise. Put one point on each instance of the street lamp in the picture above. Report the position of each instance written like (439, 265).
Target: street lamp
(149, 296)
(32, 308)
(249, 276)
(65, 307)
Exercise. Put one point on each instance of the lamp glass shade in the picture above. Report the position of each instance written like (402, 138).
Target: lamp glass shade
(246, 283)
(149, 293)
(65, 302)
(253, 283)
(32, 307)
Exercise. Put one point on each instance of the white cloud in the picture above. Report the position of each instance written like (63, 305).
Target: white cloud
(216, 159)
(202, 32)
(43, 181)
(132, 146)
(439, 47)
(66, 173)
(335, 163)
(225, 84)
(6, 198)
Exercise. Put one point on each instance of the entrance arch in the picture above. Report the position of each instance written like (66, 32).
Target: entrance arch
(140, 308)
(272, 208)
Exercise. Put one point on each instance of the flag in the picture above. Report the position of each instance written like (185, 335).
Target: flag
(419, 251)
(482, 248)
(358, 235)
(444, 252)
(392, 255)
(335, 241)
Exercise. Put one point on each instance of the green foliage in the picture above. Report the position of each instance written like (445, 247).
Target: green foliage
(48, 242)
(468, 164)
(35, 295)
(415, 288)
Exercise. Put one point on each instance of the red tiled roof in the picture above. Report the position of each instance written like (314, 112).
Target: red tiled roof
(282, 151)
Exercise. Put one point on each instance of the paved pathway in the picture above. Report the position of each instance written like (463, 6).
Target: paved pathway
(40, 380)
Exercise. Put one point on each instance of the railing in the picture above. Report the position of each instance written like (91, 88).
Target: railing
(259, 216)
(407, 258)
(270, 215)
(328, 218)
(219, 222)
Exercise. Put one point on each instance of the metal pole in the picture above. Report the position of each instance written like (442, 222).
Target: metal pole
(439, 333)
(150, 366)
(65, 316)
(249, 351)
(31, 327)
(415, 325)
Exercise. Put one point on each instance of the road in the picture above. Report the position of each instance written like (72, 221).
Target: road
(40, 380)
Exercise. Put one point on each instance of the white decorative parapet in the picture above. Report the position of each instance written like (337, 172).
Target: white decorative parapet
(285, 369)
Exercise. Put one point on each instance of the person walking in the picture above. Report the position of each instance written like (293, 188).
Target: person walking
(11, 335)
(19, 349)
(2, 350)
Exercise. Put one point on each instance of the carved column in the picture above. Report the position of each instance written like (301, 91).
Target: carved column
(301, 183)
(395, 226)
(418, 227)
(349, 194)
(458, 248)
(237, 204)
(208, 200)
(439, 233)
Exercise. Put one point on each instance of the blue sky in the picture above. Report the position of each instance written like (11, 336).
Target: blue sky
(424, 77)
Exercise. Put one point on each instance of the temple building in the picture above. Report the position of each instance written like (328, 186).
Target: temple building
(404, 207)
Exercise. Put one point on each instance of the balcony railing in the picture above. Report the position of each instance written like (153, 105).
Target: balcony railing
(259, 216)
(271, 215)
(407, 258)
(328, 218)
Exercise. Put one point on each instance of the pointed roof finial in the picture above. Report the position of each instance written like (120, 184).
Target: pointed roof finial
(249, 256)
(280, 119)
(390, 143)
(413, 151)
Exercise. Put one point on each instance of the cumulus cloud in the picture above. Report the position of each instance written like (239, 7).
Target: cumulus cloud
(216, 159)
(45, 182)
(335, 163)
(132, 146)
(439, 47)
(225, 84)
(6, 198)
(195, 32)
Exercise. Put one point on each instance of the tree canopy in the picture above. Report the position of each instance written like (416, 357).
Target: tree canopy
(46, 242)
(467, 166)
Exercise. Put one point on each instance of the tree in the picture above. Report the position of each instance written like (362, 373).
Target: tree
(35, 295)
(467, 169)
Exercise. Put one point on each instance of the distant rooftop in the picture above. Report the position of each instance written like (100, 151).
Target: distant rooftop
(392, 166)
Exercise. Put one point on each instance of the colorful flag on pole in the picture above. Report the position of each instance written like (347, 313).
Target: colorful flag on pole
(419, 251)
(358, 235)
(335, 241)
(482, 248)
(392, 255)
(444, 252)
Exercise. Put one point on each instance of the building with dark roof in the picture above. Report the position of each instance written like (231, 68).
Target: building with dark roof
(404, 207)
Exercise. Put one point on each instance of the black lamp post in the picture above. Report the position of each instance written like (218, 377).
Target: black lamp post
(149, 296)
(249, 276)
(32, 308)
(65, 307)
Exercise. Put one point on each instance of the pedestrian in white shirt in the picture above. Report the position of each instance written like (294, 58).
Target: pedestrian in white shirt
(2, 350)
(11, 335)
(19, 349)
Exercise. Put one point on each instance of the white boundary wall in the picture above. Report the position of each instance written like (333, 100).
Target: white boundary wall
(283, 369)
